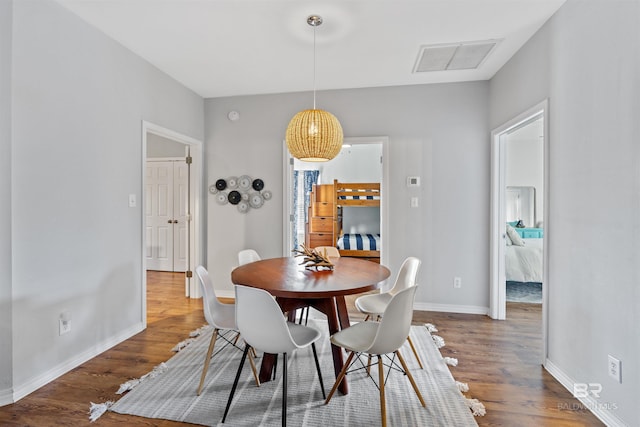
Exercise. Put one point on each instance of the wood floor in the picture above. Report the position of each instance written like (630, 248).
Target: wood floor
(500, 360)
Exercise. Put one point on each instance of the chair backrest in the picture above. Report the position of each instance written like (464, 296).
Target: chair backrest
(261, 322)
(406, 275)
(332, 252)
(210, 303)
(246, 256)
(395, 324)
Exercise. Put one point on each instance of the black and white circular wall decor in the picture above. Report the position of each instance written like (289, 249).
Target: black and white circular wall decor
(243, 192)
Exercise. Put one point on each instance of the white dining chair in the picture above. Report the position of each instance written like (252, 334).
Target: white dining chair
(263, 327)
(246, 256)
(331, 251)
(380, 339)
(221, 317)
(374, 305)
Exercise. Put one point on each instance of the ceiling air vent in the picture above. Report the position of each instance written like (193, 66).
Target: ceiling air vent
(453, 56)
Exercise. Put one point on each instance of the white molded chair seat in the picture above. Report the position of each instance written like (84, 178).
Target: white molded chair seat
(374, 304)
(263, 327)
(246, 256)
(222, 317)
(378, 339)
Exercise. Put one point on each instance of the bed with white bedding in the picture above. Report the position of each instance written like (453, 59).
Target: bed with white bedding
(524, 263)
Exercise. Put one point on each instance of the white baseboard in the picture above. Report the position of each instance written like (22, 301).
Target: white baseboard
(35, 383)
(451, 308)
(599, 409)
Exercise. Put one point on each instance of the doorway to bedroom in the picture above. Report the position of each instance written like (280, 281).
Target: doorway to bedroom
(524, 210)
(519, 214)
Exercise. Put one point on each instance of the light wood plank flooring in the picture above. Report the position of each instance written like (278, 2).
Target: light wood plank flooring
(498, 359)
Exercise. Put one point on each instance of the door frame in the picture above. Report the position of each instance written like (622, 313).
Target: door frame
(497, 280)
(195, 206)
(287, 190)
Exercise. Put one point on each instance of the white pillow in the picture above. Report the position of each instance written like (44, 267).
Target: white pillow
(514, 236)
(507, 239)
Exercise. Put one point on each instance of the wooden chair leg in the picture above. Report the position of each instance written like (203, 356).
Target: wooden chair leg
(415, 353)
(207, 360)
(253, 367)
(383, 405)
(343, 372)
(235, 382)
(413, 383)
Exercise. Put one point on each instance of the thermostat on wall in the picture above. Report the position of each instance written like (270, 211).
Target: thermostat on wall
(413, 181)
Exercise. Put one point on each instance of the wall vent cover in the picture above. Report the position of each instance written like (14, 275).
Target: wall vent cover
(453, 56)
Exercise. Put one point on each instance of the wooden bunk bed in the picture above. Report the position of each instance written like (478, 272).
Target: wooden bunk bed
(324, 225)
(350, 194)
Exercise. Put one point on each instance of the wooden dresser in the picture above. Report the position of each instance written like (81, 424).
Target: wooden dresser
(321, 221)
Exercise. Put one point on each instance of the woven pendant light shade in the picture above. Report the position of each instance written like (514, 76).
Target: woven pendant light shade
(314, 136)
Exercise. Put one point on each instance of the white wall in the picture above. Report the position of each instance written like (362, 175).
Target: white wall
(438, 132)
(79, 100)
(6, 364)
(357, 163)
(525, 163)
(586, 60)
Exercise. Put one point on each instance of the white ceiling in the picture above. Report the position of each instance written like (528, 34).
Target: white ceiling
(245, 47)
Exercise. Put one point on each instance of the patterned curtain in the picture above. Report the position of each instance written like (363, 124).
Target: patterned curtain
(302, 184)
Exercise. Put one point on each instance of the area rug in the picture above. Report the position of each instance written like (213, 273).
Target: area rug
(169, 392)
(529, 292)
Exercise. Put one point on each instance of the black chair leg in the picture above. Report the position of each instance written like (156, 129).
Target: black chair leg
(235, 382)
(284, 389)
(315, 357)
(275, 367)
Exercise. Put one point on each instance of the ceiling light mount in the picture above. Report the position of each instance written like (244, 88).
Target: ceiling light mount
(314, 20)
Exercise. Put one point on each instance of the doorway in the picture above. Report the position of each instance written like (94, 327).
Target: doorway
(164, 145)
(519, 191)
(373, 167)
(166, 213)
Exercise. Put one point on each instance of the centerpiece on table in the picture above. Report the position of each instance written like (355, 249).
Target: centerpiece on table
(313, 259)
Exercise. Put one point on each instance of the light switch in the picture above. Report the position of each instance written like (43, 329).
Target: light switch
(132, 200)
(414, 202)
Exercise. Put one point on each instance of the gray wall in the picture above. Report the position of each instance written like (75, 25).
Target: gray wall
(5, 201)
(438, 132)
(586, 60)
(79, 100)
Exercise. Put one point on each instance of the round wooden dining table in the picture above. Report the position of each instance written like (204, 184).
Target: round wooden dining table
(296, 287)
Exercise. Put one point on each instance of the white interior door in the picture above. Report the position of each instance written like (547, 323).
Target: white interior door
(165, 210)
(180, 228)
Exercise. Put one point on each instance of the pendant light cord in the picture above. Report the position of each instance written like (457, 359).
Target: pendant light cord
(314, 67)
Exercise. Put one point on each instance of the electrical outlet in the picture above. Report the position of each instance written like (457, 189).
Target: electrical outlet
(64, 323)
(615, 369)
(457, 282)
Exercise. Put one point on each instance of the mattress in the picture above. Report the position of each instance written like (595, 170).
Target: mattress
(360, 242)
(356, 197)
(524, 263)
